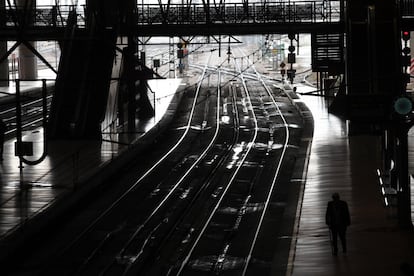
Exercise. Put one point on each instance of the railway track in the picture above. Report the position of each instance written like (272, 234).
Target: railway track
(199, 203)
(242, 205)
(180, 164)
(31, 115)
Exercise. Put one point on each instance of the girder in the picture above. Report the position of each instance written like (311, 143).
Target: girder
(46, 33)
(240, 29)
(166, 18)
(206, 17)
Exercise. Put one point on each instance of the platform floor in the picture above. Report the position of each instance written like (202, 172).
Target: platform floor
(347, 165)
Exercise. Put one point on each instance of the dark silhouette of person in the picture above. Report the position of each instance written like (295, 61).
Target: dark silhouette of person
(3, 128)
(338, 219)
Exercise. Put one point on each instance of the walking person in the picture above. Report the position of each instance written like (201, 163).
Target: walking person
(3, 128)
(338, 219)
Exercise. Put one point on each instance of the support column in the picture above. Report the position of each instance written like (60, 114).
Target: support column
(372, 35)
(4, 66)
(131, 90)
(403, 191)
(27, 63)
(374, 81)
(27, 59)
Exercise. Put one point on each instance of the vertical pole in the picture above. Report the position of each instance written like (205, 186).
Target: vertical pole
(131, 88)
(18, 116)
(171, 58)
(208, 12)
(19, 131)
(372, 55)
(342, 11)
(44, 106)
(4, 66)
(219, 46)
(403, 193)
(27, 59)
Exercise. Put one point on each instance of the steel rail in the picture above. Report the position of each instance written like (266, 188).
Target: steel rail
(137, 182)
(273, 185)
(178, 183)
(12, 117)
(195, 164)
(150, 170)
(255, 76)
(231, 181)
(208, 180)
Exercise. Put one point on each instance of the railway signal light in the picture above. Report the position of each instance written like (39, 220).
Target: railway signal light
(291, 58)
(291, 74)
(403, 105)
(405, 56)
(405, 35)
(405, 60)
(291, 55)
(180, 53)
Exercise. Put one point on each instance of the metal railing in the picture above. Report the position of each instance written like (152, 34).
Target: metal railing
(42, 16)
(256, 12)
(284, 11)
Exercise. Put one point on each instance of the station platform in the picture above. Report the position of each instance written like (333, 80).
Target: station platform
(347, 165)
(27, 88)
(33, 195)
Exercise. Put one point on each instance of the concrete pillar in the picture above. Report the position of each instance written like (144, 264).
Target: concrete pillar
(27, 63)
(4, 66)
(27, 60)
(372, 48)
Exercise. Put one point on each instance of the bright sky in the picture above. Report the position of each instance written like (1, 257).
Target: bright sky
(60, 2)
